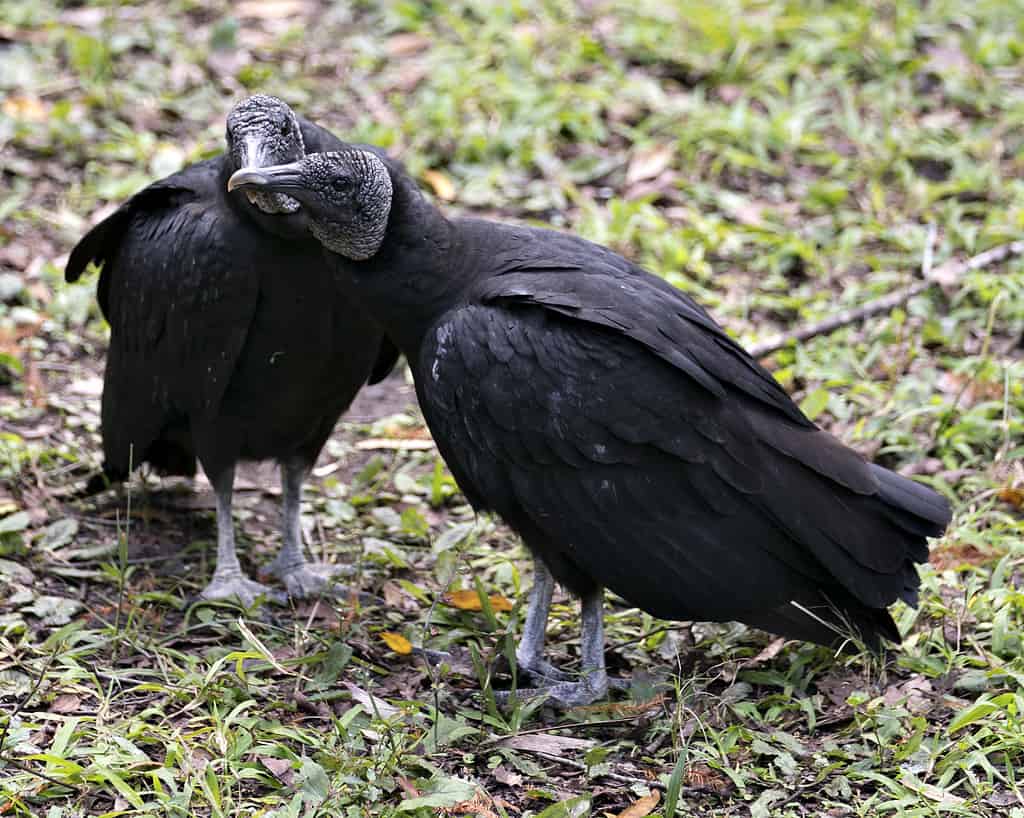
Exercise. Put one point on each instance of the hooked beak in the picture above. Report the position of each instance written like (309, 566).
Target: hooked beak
(283, 178)
(253, 153)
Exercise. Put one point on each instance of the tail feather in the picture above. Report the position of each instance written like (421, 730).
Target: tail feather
(930, 509)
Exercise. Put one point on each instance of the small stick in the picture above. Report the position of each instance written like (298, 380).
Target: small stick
(949, 270)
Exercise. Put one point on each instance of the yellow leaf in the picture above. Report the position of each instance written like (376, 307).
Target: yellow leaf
(397, 642)
(642, 808)
(24, 107)
(470, 601)
(442, 185)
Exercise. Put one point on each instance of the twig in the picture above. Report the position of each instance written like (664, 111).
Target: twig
(947, 271)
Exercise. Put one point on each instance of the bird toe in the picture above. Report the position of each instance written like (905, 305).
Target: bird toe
(565, 695)
(238, 586)
(307, 579)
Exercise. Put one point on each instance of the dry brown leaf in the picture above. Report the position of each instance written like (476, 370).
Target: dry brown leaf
(704, 778)
(318, 614)
(642, 808)
(1012, 495)
(479, 806)
(470, 601)
(766, 655)
(443, 187)
(280, 768)
(66, 703)
(397, 597)
(503, 775)
(398, 643)
(649, 163)
(403, 45)
(955, 555)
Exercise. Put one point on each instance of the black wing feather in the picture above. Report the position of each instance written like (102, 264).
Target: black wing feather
(673, 477)
(175, 290)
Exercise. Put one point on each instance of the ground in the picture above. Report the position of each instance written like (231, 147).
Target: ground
(781, 161)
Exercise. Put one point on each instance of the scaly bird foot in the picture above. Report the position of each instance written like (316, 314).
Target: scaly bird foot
(305, 579)
(541, 673)
(565, 695)
(228, 584)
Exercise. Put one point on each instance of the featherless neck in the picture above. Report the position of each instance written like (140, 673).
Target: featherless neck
(415, 277)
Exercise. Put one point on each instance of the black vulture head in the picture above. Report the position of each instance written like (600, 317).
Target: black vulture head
(346, 195)
(262, 130)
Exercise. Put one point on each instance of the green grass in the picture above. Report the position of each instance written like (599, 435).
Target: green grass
(778, 160)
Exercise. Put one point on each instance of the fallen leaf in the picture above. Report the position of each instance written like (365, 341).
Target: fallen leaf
(397, 597)
(54, 610)
(398, 643)
(770, 652)
(403, 45)
(955, 555)
(27, 108)
(704, 778)
(280, 768)
(643, 807)
(1012, 495)
(66, 703)
(470, 601)
(649, 163)
(442, 185)
(479, 806)
(374, 705)
(505, 776)
(319, 614)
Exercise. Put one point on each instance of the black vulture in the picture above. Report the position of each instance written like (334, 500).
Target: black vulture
(231, 338)
(614, 425)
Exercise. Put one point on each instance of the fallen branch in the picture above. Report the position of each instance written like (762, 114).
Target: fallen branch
(947, 273)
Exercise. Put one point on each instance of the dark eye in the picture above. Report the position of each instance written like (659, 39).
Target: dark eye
(286, 127)
(341, 183)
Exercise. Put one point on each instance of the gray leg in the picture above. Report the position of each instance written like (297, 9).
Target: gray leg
(302, 578)
(228, 579)
(593, 683)
(530, 652)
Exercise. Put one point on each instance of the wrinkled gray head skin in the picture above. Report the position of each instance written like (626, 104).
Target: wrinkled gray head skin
(262, 130)
(346, 195)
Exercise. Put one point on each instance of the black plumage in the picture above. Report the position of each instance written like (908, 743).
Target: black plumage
(231, 338)
(612, 423)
